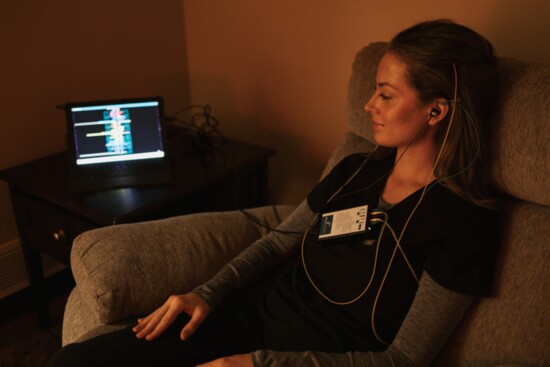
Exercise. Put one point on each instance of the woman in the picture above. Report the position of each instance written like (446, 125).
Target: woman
(388, 295)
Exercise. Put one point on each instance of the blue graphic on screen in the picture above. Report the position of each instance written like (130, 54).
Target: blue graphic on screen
(118, 131)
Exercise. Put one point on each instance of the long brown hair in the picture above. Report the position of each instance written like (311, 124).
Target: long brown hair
(433, 52)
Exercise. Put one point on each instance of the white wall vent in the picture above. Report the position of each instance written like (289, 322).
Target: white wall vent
(13, 275)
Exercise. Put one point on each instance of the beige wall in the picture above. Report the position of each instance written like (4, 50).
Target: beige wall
(276, 71)
(57, 51)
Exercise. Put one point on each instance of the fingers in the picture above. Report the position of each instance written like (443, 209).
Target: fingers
(152, 326)
(192, 325)
(158, 324)
(142, 322)
(200, 312)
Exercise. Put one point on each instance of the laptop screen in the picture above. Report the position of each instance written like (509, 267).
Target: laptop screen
(115, 131)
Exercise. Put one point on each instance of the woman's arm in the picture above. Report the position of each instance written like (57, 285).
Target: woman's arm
(432, 318)
(260, 257)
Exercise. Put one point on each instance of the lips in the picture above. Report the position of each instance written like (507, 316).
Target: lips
(377, 125)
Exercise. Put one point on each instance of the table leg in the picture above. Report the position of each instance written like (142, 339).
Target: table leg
(37, 286)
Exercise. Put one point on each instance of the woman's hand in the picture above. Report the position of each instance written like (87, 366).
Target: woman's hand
(152, 326)
(240, 360)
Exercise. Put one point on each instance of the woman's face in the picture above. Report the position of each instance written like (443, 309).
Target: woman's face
(398, 115)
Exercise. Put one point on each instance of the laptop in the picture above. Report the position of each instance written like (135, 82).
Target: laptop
(116, 143)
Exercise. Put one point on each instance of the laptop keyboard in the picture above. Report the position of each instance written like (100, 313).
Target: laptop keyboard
(116, 168)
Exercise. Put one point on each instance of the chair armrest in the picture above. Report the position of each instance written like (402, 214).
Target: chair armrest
(130, 269)
(80, 323)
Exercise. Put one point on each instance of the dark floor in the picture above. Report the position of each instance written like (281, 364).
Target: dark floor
(22, 341)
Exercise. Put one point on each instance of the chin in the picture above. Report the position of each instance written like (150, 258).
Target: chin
(383, 142)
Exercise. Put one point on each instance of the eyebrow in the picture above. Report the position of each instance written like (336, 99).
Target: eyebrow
(386, 84)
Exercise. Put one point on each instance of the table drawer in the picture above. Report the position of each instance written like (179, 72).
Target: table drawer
(48, 229)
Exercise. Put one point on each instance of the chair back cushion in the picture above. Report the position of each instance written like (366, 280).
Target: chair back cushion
(511, 326)
(521, 127)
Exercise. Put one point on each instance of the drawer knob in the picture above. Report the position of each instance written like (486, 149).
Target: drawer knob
(59, 235)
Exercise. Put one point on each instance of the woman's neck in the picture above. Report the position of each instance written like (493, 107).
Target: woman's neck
(415, 164)
(412, 171)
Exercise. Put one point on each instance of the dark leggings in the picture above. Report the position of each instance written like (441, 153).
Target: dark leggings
(229, 332)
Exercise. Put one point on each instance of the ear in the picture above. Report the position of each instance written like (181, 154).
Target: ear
(438, 111)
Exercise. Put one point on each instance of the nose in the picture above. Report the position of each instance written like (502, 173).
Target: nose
(369, 106)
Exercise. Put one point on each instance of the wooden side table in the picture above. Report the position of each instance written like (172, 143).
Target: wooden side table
(235, 175)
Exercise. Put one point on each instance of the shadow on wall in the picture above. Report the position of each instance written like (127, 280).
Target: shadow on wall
(293, 172)
(513, 29)
(246, 115)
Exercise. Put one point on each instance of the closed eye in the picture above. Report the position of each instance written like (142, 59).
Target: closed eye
(384, 96)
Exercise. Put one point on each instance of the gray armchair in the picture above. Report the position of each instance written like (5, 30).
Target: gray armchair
(126, 270)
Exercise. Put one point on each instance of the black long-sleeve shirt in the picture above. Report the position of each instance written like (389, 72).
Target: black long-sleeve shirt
(449, 245)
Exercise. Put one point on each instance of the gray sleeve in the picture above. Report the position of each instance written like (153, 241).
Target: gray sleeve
(259, 258)
(432, 318)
